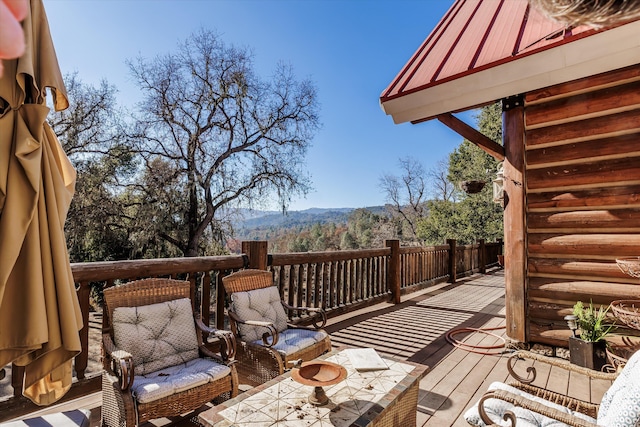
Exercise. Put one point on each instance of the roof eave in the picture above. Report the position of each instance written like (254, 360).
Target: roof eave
(600, 52)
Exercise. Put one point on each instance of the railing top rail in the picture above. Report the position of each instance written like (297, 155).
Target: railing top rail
(325, 256)
(417, 249)
(109, 270)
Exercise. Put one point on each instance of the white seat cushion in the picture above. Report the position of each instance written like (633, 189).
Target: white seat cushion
(620, 405)
(293, 340)
(259, 304)
(174, 379)
(496, 408)
(156, 335)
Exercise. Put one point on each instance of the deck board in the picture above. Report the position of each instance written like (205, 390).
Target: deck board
(415, 330)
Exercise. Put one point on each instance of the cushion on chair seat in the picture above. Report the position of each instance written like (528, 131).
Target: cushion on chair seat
(293, 340)
(620, 404)
(174, 379)
(157, 335)
(259, 304)
(496, 408)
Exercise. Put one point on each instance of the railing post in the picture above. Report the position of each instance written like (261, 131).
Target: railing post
(482, 256)
(256, 251)
(82, 359)
(452, 260)
(393, 278)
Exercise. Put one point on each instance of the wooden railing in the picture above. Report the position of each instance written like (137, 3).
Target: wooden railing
(338, 281)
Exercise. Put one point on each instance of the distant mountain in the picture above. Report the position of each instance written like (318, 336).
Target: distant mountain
(256, 221)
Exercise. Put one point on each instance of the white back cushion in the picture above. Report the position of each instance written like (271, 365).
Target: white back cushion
(259, 304)
(157, 335)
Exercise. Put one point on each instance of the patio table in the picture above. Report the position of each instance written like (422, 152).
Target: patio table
(380, 398)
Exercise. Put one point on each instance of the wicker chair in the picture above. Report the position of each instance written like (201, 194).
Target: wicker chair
(155, 359)
(522, 403)
(267, 343)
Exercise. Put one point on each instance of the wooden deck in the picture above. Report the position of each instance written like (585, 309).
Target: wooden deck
(415, 330)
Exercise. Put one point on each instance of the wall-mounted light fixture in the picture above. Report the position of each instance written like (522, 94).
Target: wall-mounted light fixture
(498, 186)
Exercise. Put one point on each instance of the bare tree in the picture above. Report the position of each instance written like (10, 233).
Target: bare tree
(229, 136)
(407, 193)
(442, 188)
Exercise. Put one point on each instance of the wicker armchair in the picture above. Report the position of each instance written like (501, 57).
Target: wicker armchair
(267, 343)
(522, 403)
(155, 359)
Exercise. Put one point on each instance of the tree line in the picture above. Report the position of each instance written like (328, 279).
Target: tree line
(210, 136)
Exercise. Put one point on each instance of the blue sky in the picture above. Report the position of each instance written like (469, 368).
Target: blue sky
(351, 49)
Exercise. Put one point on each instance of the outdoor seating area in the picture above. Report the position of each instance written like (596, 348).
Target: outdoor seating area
(449, 380)
(412, 331)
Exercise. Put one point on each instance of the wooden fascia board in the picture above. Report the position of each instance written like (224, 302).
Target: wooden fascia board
(487, 144)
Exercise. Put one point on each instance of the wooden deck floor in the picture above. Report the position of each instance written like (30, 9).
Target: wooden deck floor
(415, 330)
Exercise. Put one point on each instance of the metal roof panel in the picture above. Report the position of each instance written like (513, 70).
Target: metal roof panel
(474, 35)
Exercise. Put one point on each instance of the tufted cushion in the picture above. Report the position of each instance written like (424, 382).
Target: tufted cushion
(620, 405)
(174, 379)
(293, 340)
(496, 408)
(259, 304)
(156, 335)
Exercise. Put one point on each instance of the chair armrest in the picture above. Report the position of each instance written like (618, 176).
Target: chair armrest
(228, 350)
(314, 318)
(553, 361)
(120, 362)
(271, 329)
(525, 403)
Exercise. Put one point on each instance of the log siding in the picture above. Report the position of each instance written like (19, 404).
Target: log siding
(582, 166)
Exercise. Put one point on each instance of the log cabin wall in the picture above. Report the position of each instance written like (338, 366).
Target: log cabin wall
(582, 175)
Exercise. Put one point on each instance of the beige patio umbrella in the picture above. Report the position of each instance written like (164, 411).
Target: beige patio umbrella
(39, 312)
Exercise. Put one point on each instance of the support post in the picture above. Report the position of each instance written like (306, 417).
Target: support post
(514, 220)
(82, 360)
(393, 278)
(220, 296)
(256, 252)
(482, 256)
(452, 260)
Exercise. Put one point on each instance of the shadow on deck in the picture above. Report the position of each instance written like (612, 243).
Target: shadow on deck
(416, 330)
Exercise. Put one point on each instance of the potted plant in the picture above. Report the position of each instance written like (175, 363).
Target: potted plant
(588, 347)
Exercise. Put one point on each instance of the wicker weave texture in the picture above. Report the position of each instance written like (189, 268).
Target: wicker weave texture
(185, 401)
(628, 312)
(577, 405)
(401, 412)
(247, 280)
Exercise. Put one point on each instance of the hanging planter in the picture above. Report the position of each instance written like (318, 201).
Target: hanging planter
(472, 187)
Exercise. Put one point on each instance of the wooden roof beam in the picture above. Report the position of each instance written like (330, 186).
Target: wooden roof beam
(484, 142)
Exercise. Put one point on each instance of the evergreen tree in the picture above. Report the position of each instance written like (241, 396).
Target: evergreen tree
(469, 216)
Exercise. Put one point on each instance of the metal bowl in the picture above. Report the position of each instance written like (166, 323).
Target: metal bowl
(319, 373)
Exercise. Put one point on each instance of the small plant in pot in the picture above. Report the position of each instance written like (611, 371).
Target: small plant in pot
(588, 347)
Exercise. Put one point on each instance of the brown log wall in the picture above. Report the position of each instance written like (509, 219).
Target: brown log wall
(582, 175)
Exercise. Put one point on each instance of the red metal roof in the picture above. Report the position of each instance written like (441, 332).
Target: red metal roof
(485, 50)
(476, 34)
